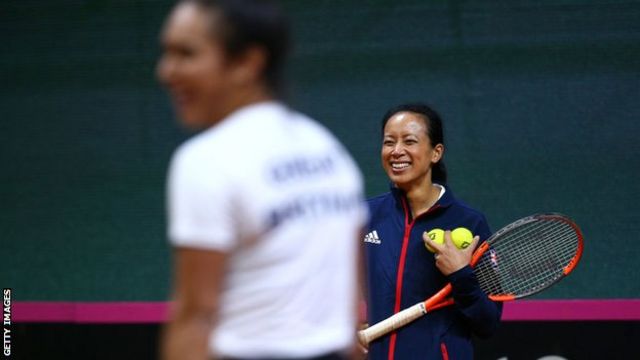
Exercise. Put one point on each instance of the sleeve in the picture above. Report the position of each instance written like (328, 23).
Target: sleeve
(200, 213)
(482, 313)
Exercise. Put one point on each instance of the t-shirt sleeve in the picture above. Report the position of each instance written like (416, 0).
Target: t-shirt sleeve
(200, 212)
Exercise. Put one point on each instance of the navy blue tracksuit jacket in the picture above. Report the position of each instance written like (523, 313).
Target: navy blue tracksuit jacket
(401, 272)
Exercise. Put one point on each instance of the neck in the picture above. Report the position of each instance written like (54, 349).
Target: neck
(422, 198)
(252, 95)
(242, 98)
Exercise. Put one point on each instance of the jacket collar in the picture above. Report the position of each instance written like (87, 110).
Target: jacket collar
(445, 201)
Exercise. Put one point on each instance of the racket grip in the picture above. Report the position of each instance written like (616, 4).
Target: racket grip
(391, 323)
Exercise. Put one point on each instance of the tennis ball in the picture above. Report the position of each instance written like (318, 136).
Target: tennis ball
(461, 237)
(436, 235)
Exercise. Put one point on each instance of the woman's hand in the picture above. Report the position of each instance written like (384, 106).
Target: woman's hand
(449, 258)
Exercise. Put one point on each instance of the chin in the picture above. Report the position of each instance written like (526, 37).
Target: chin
(400, 181)
(191, 121)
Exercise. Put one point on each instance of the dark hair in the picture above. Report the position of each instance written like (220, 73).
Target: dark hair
(249, 23)
(435, 132)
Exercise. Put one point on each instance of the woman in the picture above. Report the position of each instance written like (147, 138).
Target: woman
(401, 271)
(265, 206)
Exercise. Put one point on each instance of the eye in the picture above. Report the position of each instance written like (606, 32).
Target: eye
(388, 142)
(178, 50)
(183, 51)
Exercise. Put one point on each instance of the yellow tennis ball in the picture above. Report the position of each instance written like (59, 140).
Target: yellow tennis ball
(436, 235)
(461, 237)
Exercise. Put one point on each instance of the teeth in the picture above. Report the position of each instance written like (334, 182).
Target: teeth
(399, 166)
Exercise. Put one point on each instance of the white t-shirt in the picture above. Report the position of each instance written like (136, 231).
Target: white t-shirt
(281, 195)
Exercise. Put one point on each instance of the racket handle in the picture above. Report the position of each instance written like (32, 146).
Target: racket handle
(391, 323)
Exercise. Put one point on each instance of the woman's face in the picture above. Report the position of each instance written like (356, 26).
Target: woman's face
(407, 153)
(193, 66)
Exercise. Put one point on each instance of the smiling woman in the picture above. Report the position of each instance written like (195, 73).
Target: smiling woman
(211, 66)
(265, 205)
(412, 150)
(399, 263)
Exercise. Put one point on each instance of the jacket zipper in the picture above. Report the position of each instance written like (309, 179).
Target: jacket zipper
(403, 255)
(445, 352)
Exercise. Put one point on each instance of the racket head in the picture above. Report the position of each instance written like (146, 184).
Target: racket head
(528, 256)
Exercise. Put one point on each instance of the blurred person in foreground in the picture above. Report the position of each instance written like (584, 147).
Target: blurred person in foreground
(401, 271)
(265, 206)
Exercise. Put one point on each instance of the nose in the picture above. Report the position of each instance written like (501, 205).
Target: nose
(397, 150)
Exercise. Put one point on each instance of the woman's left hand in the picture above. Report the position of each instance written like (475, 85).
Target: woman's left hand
(449, 258)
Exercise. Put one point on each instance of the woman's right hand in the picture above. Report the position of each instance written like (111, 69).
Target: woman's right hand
(449, 258)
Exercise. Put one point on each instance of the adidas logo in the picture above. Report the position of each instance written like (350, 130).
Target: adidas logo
(372, 237)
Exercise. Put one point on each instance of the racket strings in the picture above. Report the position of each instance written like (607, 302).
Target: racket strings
(527, 258)
(531, 276)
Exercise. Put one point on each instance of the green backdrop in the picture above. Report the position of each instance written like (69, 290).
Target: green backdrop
(541, 102)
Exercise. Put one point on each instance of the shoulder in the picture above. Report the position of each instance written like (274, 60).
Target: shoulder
(381, 205)
(277, 127)
(315, 133)
(468, 209)
(312, 137)
(199, 147)
(471, 216)
(459, 207)
(243, 137)
(200, 163)
(380, 199)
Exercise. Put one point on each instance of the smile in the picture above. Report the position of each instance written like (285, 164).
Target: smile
(400, 165)
(181, 97)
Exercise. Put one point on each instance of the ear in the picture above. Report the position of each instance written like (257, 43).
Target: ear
(249, 66)
(438, 152)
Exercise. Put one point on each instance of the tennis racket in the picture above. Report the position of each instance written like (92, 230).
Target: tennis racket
(519, 260)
